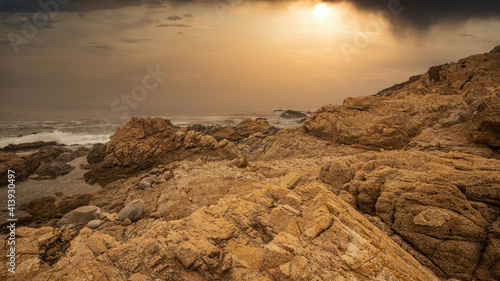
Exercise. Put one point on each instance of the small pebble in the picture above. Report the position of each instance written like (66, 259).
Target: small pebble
(93, 224)
(126, 222)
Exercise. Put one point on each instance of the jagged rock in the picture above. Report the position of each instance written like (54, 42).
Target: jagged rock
(285, 143)
(241, 131)
(79, 216)
(146, 142)
(49, 162)
(241, 162)
(22, 167)
(97, 153)
(453, 100)
(291, 180)
(442, 205)
(132, 211)
(235, 240)
(27, 146)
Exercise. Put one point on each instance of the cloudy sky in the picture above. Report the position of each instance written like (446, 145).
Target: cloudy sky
(226, 56)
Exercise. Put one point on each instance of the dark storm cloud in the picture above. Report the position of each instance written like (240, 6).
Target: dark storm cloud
(416, 14)
(128, 40)
(422, 14)
(98, 45)
(173, 25)
(18, 25)
(188, 15)
(78, 6)
(174, 18)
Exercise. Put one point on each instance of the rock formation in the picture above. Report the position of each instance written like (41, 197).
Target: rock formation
(443, 206)
(48, 162)
(145, 142)
(273, 233)
(453, 107)
(403, 185)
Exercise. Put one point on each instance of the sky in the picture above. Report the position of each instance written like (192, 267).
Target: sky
(225, 56)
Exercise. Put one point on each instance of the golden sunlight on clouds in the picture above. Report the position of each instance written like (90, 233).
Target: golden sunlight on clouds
(301, 54)
(321, 11)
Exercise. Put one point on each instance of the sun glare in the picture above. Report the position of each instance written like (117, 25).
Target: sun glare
(320, 11)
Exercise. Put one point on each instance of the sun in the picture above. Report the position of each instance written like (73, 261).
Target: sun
(320, 11)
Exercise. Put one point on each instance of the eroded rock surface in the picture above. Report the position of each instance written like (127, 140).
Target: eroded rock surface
(274, 233)
(453, 107)
(145, 142)
(444, 206)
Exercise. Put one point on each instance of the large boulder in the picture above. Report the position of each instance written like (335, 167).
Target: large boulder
(132, 211)
(54, 169)
(239, 132)
(79, 216)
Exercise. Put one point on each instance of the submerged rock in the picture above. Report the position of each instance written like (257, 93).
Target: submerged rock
(54, 169)
(291, 114)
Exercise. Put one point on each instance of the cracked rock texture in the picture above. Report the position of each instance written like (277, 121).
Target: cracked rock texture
(402, 185)
(273, 233)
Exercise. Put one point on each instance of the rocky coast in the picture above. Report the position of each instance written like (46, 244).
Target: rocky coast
(400, 185)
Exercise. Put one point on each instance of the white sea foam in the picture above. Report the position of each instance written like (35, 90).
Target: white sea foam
(59, 137)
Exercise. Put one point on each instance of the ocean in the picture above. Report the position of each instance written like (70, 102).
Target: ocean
(91, 128)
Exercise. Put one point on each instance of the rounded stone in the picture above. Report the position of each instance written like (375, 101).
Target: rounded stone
(132, 211)
(93, 224)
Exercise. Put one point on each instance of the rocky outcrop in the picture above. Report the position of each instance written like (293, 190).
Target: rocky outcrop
(459, 99)
(145, 142)
(48, 162)
(23, 167)
(79, 216)
(274, 233)
(446, 207)
(97, 153)
(27, 146)
(287, 142)
(237, 133)
(429, 211)
(292, 114)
